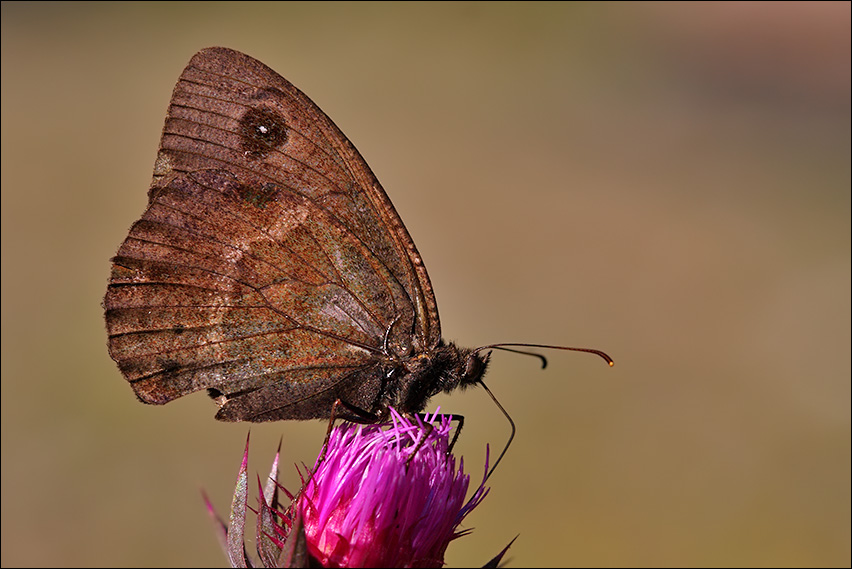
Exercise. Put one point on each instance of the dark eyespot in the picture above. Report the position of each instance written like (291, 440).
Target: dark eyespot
(262, 130)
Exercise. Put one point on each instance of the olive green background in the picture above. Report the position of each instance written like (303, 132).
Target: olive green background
(667, 182)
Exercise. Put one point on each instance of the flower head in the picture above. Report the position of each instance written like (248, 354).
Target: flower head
(380, 496)
(386, 497)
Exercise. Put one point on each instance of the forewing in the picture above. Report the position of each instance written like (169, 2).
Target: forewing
(269, 265)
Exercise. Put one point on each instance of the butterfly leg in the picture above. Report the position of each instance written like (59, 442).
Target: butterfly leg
(386, 341)
(428, 427)
(460, 419)
(338, 408)
(427, 430)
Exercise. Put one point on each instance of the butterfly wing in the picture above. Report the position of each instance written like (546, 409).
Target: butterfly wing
(270, 265)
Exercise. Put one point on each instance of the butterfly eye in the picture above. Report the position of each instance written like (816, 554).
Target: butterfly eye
(473, 369)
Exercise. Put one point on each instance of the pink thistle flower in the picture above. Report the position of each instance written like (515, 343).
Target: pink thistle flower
(382, 496)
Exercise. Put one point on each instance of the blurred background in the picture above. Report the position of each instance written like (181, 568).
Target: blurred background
(666, 182)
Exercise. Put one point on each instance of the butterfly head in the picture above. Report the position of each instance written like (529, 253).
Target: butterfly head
(474, 367)
(458, 367)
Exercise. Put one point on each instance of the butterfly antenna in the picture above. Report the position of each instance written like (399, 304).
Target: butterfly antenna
(506, 348)
(511, 436)
(546, 347)
(539, 356)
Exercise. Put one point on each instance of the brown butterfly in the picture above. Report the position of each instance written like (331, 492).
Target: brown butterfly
(270, 267)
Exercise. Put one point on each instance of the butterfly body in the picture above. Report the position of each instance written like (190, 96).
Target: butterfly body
(270, 268)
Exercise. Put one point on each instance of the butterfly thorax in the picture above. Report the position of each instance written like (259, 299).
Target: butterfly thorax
(411, 383)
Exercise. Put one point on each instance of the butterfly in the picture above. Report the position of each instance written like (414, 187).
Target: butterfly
(270, 267)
